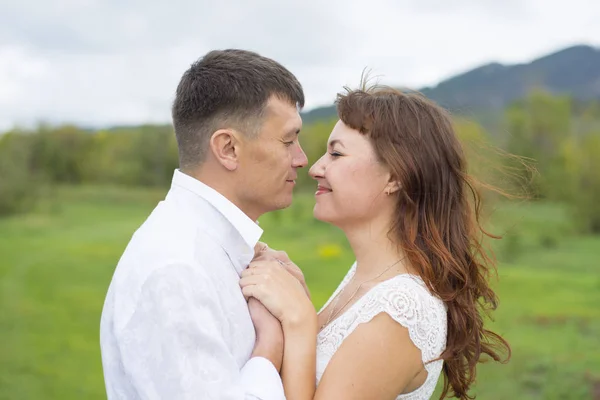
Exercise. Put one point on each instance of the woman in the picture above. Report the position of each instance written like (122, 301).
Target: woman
(394, 180)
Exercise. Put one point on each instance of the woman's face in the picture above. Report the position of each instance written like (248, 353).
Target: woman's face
(351, 182)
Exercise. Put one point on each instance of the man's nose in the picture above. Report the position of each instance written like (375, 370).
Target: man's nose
(300, 159)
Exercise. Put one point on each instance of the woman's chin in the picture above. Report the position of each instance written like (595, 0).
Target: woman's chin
(322, 215)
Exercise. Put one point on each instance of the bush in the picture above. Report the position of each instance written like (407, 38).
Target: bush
(587, 198)
(20, 184)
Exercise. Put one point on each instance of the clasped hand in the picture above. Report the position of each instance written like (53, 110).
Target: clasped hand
(274, 280)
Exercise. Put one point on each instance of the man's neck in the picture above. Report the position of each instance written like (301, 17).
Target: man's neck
(223, 183)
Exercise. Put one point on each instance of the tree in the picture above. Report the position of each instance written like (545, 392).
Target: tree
(537, 127)
(20, 184)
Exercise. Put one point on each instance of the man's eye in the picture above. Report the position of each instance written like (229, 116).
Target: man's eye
(335, 154)
(289, 143)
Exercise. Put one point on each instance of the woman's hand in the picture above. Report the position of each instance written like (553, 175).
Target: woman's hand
(263, 252)
(279, 285)
(268, 281)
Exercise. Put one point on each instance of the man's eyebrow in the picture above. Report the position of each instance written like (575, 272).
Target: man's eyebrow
(293, 131)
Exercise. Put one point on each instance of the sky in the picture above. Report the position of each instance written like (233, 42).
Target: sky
(99, 63)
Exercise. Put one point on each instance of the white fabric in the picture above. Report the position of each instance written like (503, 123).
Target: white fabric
(175, 324)
(406, 299)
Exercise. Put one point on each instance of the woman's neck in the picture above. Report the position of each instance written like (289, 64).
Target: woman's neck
(374, 251)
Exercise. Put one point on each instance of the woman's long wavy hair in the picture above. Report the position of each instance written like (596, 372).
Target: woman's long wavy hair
(437, 223)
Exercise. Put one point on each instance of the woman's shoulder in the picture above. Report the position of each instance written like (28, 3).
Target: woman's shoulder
(409, 288)
(407, 300)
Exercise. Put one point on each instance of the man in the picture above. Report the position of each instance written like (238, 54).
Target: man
(175, 324)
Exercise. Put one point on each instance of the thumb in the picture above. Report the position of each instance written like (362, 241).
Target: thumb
(259, 248)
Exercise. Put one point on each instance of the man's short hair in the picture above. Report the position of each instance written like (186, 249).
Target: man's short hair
(227, 89)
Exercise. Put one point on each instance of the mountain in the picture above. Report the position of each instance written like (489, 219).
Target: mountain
(574, 71)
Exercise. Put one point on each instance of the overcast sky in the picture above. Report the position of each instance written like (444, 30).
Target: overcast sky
(103, 62)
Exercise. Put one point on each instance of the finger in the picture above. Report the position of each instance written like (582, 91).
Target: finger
(248, 272)
(249, 291)
(294, 271)
(253, 301)
(297, 273)
(256, 291)
(260, 257)
(265, 256)
(257, 268)
(260, 247)
(266, 264)
(289, 268)
(251, 280)
(281, 255)
(264, 277)
(260, 262)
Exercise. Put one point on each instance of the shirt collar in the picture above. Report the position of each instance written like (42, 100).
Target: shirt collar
(249, 230)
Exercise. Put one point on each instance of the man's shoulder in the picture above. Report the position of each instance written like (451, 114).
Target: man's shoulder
(170, 235)
(167, 224)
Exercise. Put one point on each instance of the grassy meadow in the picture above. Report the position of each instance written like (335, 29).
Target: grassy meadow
(56, 263)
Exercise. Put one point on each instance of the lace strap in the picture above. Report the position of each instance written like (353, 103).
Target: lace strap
(407, 301)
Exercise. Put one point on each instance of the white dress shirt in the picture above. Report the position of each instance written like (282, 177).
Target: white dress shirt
(175, 324)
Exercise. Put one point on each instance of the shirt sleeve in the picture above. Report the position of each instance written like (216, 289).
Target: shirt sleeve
(261, 380)
(172, 346)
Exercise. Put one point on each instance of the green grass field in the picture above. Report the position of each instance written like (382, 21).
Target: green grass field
(56, 264)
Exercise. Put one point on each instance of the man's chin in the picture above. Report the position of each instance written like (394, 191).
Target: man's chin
(283, 203)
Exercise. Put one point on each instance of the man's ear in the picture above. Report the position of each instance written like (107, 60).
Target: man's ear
(224, 145)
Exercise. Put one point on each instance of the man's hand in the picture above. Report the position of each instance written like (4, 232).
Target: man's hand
(269, 335)
(263, 252)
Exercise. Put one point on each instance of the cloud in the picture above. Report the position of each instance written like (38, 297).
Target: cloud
(102, 62)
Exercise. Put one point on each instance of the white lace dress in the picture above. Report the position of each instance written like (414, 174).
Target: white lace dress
(406, 299)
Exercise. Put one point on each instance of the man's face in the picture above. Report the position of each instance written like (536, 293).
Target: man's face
(268, 163)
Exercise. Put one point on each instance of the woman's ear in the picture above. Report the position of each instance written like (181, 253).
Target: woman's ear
(224, 146)
(392, 187)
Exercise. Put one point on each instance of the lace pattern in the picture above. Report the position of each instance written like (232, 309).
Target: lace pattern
(406, 299)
